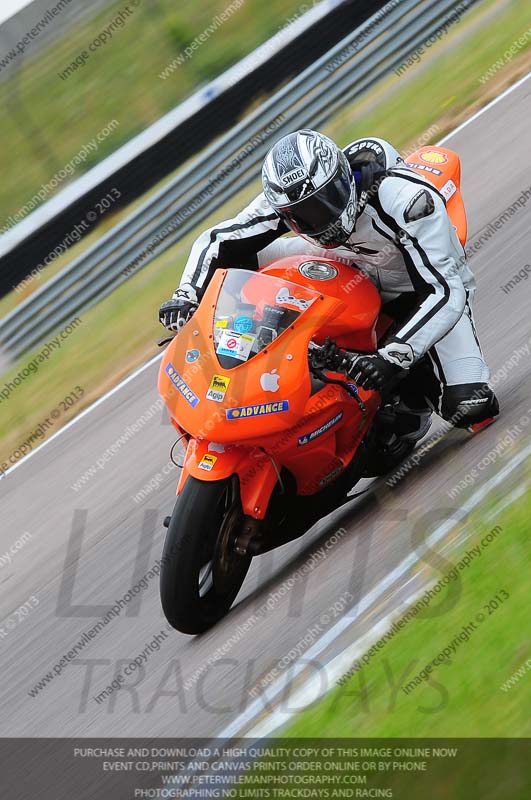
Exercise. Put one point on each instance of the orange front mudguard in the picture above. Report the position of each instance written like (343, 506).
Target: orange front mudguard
(212, 462)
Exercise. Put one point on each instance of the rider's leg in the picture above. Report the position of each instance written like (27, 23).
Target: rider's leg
(461, 393)
(412, 416)
(414, 411)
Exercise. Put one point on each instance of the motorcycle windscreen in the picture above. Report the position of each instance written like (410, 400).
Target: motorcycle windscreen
(252, 311)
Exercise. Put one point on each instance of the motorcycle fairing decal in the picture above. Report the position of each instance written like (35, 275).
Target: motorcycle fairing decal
(218, 388)
(331, 475)
(309, 437)
(424, 167)
(207, 462)
(258, 410)
(191, 398)
(237, 345)
(449, 189)
(283, 297)
(243, 324)
(433, 157)
(192, 355)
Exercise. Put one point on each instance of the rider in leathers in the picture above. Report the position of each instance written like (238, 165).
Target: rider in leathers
(363, 206)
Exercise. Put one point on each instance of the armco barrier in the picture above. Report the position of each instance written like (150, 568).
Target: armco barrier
(364, 56)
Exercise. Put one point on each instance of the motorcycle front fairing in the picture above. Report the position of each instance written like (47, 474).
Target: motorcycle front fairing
(236, 377)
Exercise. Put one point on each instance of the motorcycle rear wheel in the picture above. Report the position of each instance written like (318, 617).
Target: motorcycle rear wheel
(201, 574)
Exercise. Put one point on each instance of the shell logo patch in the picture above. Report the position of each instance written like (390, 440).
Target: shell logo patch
(434, 157)
(241, 412)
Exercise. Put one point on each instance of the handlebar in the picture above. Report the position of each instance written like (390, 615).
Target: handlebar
(329, 356)
(166, 340)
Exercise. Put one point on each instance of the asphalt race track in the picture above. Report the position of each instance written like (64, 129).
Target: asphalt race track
(89, 548)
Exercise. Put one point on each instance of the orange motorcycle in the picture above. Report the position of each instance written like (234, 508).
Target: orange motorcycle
(274, 439)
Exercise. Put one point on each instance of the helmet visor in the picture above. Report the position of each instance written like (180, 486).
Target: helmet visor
(316, 213)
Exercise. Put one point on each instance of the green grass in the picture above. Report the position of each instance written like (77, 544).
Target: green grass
(47, 120)
(444, 87)
(114, 337)
(119, 333)
(463, 698)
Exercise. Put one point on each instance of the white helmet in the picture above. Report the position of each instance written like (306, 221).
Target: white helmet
(308, 181)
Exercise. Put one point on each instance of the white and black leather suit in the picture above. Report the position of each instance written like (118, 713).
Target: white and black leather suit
(404, 241)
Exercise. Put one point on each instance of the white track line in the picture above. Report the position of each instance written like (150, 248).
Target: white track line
(312, 690)
(485, 108)
(278, 688)
(153, 360)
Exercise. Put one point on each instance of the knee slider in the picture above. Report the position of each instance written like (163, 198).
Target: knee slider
(469, 403)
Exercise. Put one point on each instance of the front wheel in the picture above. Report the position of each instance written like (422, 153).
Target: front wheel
(201, 573)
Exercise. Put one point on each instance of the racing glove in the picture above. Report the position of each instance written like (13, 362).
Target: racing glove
(175, 313)
(374, 372)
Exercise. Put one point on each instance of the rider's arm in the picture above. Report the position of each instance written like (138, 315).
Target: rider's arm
(232, 243)
(417, 219)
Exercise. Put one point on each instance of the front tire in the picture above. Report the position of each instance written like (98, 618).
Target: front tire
(201, 573)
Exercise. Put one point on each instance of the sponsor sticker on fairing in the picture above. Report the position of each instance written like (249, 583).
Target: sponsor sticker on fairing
(191, 356)
(243, 324)
(242, 412)
(449, 189)
(331, 475)
(218, 388)
(433, 157)
(181, 385)
(237, 345)
(269, 381)
(207, 462)
(424, 167)
(216, 447)
(284, 297)
(309, 437)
